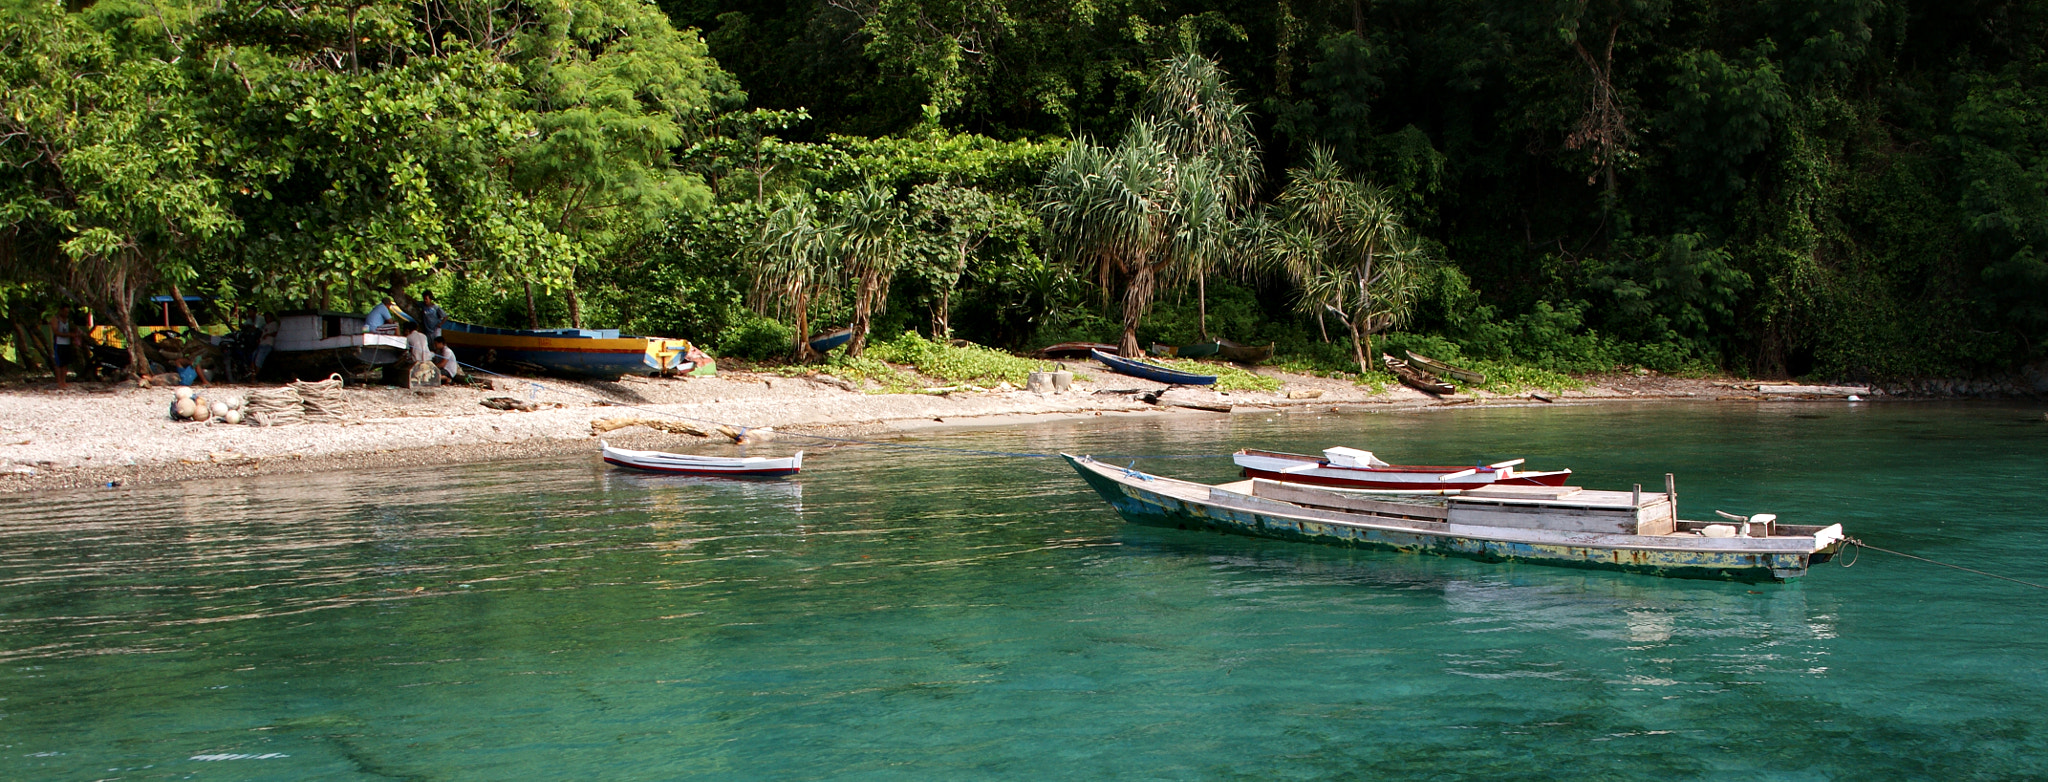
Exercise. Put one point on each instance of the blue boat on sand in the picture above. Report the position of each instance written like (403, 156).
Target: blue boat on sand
(1147, 370)
(597, 353)
(824, 343)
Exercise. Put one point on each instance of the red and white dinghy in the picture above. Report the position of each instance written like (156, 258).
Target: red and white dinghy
(684, 464)
(1351, 468)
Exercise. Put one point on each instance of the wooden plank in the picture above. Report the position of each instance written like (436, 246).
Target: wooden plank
(1304, 495)
(1523, 492)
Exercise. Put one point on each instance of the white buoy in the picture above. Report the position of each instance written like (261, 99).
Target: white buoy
(184, 392)
(220, 409)
(234, 416)
(185, 408)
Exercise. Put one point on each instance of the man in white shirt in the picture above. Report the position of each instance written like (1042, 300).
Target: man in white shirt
(421, 373)
(444, 357)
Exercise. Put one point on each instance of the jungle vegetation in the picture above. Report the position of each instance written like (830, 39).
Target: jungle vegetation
(1827, 188)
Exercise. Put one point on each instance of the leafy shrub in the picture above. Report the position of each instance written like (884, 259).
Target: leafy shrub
(958, 363)
(755, 338)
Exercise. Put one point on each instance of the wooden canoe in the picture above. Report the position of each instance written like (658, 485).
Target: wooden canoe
(1072, 350)
(598, 353)
(1416, 378)
(1352, 469)
(1147, 370)
(1245, 354)
(1445, 370)
(830, 339)
(684, 464)
(1545, 525)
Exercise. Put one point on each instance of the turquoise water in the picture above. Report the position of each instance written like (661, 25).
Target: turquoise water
(904, 615)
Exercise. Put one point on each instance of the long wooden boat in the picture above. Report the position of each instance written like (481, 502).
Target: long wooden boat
(311, 345)
(598, 353)
(831, 339)
(1565, 526)
(1197, 350)
(1351, 468)
(1147, 370)
(1416, 378)
(683, 464)
(1072, 350)
(1245, 354)
(1445, 370)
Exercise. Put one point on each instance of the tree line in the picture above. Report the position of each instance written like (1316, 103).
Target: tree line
(1852, 188)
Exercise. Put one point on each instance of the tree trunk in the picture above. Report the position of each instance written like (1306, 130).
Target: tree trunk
(942, 317)
(1137, 294)
(863, 311)
(802, 304)
(575, 307)
(1202, 304)
(532, 315)
(179, 297)
(1361, 343)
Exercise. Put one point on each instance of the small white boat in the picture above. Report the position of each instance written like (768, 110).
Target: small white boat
(683, 464)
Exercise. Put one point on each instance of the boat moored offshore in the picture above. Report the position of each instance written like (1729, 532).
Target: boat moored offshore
(1563, 525)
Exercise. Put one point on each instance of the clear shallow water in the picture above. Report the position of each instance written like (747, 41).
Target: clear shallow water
(898, 614)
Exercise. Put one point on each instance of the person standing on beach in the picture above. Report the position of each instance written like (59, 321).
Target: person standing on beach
(431, 315)
(65, 343)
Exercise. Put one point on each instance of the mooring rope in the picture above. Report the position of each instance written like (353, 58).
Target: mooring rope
(1862, 545)
(846, 440)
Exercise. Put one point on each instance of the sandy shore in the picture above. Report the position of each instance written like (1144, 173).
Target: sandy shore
(96, 434)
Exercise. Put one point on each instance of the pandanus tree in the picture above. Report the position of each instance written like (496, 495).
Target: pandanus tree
(1196, 116)
(1127, 210)
(792, 262)
(1343, 242)
(871, 242)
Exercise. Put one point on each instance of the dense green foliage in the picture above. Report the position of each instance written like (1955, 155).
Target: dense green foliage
(1852, 188)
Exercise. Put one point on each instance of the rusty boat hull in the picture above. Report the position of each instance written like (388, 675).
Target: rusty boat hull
(1158, 501)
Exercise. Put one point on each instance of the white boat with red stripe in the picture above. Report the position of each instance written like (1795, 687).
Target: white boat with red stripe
(685, 464)
(1355, 469)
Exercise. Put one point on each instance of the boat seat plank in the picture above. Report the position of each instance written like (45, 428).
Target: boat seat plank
(1513, 492)
(1304, 495)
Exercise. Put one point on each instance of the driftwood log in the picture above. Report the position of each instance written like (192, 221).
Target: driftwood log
(672, 426)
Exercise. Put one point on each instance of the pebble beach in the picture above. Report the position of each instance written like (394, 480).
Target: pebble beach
(102, 434)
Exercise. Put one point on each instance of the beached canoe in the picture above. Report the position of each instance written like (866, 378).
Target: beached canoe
(1442, 369)
(1197, 350)
(1355, 469)
(1072, 350)
(683, 464)
(1245, 354)
(1416, 378)
(1147, 370)
(1564, 525)
(825, 342)
(598, 353)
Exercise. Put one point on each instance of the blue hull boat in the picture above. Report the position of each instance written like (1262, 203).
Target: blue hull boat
(825, 342)
(1153, 372)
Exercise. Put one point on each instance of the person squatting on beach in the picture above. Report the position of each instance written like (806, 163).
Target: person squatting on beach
(444, 357)
(183, 373)
(422, 372)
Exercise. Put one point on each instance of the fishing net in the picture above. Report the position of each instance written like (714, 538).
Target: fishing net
(274, 407)
(322, 399)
